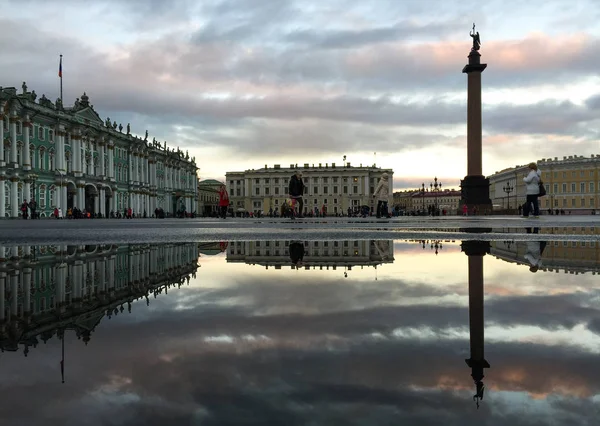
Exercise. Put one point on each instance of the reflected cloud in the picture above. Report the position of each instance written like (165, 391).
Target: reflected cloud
(275, 346)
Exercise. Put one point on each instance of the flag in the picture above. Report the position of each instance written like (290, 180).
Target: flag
(60, 67)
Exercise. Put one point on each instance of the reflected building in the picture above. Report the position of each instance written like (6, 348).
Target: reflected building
(45, 290)
(571, 257)
(317, 254)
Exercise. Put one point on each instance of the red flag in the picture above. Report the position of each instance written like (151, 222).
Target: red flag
(60, 67)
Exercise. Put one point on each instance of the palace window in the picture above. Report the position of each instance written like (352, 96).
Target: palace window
(555, 188)
(564, 188)
(257, 191)
(582, 187)
(591, 186)
(32, 156)
(51, 135)
(355, 189)
(51, 162)
(572, 187)
(42, 196)
(19, 127)
(52, 194)
(316, 190)
(41, 133)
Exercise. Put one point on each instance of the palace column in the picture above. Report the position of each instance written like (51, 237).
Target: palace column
(26, 156)
(111, 159)
(2, 291)
(26, 189)
(81, 196)
(102, 202)
(76, 148)
(102, 275)
(14, 202)
(26, 291)
(14, 288)
(13, 139)
(2, 134)
(2, 195)
(101, 155)
(61, 283)
(475, 188)
(96, 203)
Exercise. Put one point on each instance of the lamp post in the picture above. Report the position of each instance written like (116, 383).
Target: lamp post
(423, 195)
(435, 186)
(508, 188)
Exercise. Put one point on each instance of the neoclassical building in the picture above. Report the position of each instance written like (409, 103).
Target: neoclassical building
(318, 254)
(330, 187)
(46, 291)
(67, 156)
(572, 184)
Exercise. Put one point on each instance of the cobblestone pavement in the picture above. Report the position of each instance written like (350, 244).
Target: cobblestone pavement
(103, 231)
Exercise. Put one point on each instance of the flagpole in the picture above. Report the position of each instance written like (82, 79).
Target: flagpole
(60, 75)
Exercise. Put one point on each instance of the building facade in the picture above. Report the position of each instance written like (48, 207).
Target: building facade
(208, 197)
(418, 201)
(572, 184)
(47, 290)
(329, 188)
(69, 157)
(335, 254)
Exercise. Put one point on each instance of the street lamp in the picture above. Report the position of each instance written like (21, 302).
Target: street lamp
(423, 194)
(508, 188)
(436, 186)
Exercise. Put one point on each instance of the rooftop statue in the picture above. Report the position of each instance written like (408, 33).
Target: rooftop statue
(475, 36)
(146, 137)
(24, 87)
(107, 122)
(33, 95)
(121, 128)
(128, 128)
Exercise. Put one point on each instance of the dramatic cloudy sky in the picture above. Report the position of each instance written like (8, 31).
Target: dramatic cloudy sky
(244, 83)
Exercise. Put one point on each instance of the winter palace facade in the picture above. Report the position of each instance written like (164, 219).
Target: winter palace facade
(69, 157)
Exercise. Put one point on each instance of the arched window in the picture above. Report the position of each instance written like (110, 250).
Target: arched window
(42, 196)
(42, 159)
(19, 149)
(51, 161)
(52, 196)
(68, 161)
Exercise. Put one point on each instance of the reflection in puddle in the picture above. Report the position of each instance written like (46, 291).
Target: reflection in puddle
(360, 331)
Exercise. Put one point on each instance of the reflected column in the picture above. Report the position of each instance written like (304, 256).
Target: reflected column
(475, 250)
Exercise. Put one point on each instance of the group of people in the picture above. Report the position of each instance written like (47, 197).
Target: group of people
(28, 210)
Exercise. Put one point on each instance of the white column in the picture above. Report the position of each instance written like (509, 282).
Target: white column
(25, 157)
(80, 197)
(78, 281)
(2, 290)
(13, 138)
(96, 203)
(103, 202)
(111, 165)
(13, 198)
(26, 191)
(26, 290)
(77, 152)
(1, 133)
(101, 154)
(2, 196)
(63, 199)
(14, 288)
(102, 274)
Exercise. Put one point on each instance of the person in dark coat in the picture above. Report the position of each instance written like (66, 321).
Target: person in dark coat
(296, 191)
(296, 250)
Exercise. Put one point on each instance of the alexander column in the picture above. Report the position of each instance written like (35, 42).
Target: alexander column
(475, 188)
(475, 250)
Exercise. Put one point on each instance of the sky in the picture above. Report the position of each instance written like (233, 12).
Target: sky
(246, 345)
(244, 83)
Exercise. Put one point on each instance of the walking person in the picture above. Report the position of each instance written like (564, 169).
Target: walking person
(223, 202)
(532, 186)
(382, 194)
(296, 191)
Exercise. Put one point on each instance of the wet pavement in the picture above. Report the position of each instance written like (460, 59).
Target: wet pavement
(281, 331)
(123, 231)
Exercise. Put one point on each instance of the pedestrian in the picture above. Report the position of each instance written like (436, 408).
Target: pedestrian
(465, 210)
(296, 250)
(382, 194)
(296, 191)
(223, 201)
(532, 186)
